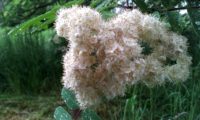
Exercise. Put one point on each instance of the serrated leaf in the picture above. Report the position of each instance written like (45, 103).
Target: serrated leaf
(42, 21)
(95, 3)
(61, 114)
(88, 114)
(106, 5)
(103, 4)
(69, 99)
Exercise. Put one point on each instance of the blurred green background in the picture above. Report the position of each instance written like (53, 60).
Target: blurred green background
(31, 61)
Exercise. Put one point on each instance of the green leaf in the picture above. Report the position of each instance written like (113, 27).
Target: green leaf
(177, 21)
(95, 3)
(43, 21)
(104, 7)
(88, 114)
(69, 99)
(61, 114)
(170, 3)
(141, 4)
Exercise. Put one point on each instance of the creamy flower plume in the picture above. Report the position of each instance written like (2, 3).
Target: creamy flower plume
(106, 57)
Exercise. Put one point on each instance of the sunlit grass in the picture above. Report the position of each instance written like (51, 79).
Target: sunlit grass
(13, 107)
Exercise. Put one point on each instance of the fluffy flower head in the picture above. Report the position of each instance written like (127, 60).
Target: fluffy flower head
(106, 56)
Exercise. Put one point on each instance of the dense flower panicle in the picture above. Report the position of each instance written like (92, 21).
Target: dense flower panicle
(78, 21)
(106, 57)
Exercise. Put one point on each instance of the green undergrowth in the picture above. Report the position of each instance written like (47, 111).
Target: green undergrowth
(178, 101)
(30, 63)
(168, 102)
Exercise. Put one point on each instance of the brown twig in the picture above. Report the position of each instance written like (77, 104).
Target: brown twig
(162, 10)
(127, 3)
(182, 8)
(127, 7)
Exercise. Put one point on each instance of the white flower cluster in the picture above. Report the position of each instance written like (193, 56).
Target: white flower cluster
(105, 56)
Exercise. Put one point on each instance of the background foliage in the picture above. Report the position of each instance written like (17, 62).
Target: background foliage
(31, 54)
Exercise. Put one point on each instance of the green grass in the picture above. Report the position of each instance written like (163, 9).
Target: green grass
(30, 63)
(167, 102)
(178, 101)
